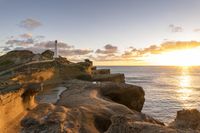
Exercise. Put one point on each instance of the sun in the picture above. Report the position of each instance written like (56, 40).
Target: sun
(186, 57)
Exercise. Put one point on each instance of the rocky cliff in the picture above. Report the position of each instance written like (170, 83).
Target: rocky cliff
(14, 101)
(94, 101)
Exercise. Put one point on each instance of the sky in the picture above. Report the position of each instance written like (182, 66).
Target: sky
(109, 32)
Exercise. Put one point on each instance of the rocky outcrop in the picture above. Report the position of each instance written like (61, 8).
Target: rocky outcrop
(98, 103)
(14, 58)
(128, 95)
(62, 60)
(14, 102)
(117, 78)
(102, 107)
(87, 107)
(48, 118)
(101, 71)
(125, 124)
(187, 119)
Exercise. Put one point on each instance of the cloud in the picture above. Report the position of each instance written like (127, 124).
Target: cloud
(164, 47)
(5, 49)
(108, 49)
(26, 35)
(197, 30)
(108, 53)
(175, 28)
(19, 42)
(30, 24)
(72, 52)
(39, 37)
(63, 52)
(51, 45)
(130, 52)
(25, 39)
(64, 49)
(133, 54)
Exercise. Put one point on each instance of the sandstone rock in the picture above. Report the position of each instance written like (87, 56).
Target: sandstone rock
(94, 68)
(14, 102)
(122, 124)
(117, 78)
(29, 94)
(128, 95)
(101, 71)
(187, 119)
(45, 118)
(87, 108)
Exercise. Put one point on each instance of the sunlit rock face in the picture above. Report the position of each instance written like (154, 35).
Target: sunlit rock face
(87, 107)
(47, 118)
(14, 102)
(105, 105)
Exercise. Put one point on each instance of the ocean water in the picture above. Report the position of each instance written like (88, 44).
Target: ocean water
(167, 89)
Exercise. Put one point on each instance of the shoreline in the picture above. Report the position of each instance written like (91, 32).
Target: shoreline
(108, 106)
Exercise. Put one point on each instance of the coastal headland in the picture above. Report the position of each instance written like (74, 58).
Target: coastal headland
(42, 94)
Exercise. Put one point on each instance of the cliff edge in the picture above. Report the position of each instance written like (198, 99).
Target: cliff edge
(92, 101)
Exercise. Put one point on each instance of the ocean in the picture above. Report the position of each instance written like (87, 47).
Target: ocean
(167, 89)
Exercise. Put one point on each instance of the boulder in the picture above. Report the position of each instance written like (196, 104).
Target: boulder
(129, 95)
(187, 119)
(123, 124)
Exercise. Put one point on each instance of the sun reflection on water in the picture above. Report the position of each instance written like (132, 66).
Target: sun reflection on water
(184, 92)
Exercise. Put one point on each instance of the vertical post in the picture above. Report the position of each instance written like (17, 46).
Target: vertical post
(56, 49)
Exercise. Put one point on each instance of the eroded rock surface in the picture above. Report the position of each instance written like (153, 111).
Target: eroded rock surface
(96, 103)
(101, 71)
(90, 108)
(187, 119)
(102, 107)
(14, 102)
(117, 78)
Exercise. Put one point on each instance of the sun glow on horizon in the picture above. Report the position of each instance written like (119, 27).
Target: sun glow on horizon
(186, 57)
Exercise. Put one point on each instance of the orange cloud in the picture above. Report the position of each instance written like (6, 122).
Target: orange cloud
(164, 47)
